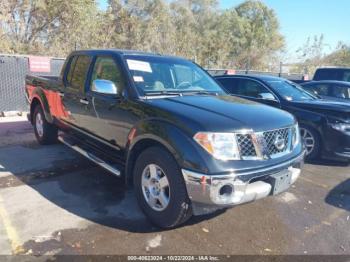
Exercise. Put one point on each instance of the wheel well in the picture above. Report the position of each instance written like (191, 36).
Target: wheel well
(137, 149)
(33, 105)
(310, 127)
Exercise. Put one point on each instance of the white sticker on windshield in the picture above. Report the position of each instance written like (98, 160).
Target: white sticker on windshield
(139, 65)
(138, 78)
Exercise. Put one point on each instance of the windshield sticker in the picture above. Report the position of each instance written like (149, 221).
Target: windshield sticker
(139, 66)
(138, 78)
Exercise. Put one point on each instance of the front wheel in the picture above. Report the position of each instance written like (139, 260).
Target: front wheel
(160, 188)
(312, 142)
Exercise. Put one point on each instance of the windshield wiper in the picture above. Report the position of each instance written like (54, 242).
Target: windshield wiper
(163, 93)
(174, 93)
(201, 92)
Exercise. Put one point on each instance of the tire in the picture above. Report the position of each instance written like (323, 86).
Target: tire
(45, 133)
(308, 134)
(165, 214)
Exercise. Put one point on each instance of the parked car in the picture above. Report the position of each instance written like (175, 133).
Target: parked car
(329, 89)
(166, 126)
(329, 73)
(324, 125)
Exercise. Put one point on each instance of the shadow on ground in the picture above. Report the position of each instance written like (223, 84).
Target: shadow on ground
(339, 196)
(79, 187)
(328, 162)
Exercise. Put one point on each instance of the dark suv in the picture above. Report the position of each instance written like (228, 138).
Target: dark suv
(324, 125)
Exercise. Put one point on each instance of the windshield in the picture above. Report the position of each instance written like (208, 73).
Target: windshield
(160, 75)
(290, 91)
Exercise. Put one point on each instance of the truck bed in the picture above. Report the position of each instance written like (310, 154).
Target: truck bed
(46, 82)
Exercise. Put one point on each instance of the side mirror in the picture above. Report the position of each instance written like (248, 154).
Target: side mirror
(267, 96)
(103, 86)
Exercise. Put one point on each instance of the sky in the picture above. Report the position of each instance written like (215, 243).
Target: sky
(300, 19)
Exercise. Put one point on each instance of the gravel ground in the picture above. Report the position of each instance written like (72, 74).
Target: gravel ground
(53, 201)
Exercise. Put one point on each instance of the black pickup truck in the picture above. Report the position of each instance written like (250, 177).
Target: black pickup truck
(169, 129)
(329, 73)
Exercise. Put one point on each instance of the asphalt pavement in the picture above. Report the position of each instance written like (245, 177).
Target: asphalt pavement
(53, 201)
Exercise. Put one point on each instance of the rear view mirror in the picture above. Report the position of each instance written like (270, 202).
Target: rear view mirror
(103, 86)
(267, 96)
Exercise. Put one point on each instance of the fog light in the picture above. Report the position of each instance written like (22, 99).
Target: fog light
(226, 190)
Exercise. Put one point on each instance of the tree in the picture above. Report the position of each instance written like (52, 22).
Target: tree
(158, 31)
(82, 32)
(311, 55)
(37, 26)
(139, 24)
(340, 57)
(194, 29)
(25, 23)
(186, 36)
(258, 35)
(207, 18)
(5, 45)
(199, 31)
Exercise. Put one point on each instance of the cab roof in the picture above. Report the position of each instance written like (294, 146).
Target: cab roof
(122, 52)
(252, 76)
(327, 82)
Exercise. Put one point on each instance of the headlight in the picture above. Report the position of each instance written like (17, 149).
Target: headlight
(222, 146)
(343, 127)
(296, 136)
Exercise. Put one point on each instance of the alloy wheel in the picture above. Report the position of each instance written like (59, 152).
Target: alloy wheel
(309, 140)
(155, 187)
(39, 124)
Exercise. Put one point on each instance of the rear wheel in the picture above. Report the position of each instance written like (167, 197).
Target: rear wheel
(160, 188)
(45, 132)
(312, 142)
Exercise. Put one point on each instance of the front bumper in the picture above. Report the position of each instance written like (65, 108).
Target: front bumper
(217, 191)
(344, 154)
(336, 144)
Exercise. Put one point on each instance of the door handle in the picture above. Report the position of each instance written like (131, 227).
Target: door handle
(84, 101)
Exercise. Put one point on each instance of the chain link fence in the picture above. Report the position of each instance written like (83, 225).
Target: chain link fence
(13, 70)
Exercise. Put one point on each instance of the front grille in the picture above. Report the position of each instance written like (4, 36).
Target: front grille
(268, 144)
(270, 138)
(246, 145)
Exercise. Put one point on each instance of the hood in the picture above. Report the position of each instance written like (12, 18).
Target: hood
(222, 113)
(323, 106)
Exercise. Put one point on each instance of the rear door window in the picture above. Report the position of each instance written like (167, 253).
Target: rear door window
(319, 89)
(80, 71)
(230, 84)
(346, 76)
(71, 66)
(340, 91)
